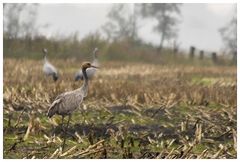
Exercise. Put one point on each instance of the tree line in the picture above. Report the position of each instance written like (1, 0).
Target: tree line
(122, 26)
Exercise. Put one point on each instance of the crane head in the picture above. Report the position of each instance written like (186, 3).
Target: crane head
(44, 50)
(95, 50)
(86, 65)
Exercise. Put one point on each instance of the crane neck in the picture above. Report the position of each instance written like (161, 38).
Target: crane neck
(94, 55)
(84, 88)
(85, 77)
(45, 58)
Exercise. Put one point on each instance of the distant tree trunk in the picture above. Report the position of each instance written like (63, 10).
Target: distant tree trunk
(134, 24)
(165, 14)
(161, 42)
(175, 48)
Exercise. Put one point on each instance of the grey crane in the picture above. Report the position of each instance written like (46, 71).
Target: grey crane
(91, 71)
(67, 102)
(48, 68)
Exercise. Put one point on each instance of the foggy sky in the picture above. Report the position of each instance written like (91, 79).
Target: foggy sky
(199, 25)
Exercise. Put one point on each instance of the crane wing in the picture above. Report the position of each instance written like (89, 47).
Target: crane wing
(49, 69)
(53, 108)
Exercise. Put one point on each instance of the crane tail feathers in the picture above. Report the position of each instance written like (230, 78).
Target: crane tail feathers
(55, 77)
(53, 108)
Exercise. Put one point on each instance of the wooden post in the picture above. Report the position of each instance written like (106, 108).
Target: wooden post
(214, 57)
(191, 52)
(201, 55)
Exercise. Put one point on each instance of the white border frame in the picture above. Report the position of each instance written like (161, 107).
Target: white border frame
(108, 1)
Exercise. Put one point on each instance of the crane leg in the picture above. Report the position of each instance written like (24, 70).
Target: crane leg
(65, 132)
(69, 118)
(62, 123)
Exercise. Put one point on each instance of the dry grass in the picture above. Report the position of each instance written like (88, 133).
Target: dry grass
(132, 111)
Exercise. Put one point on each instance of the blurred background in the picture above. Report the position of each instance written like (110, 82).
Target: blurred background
(156, 33)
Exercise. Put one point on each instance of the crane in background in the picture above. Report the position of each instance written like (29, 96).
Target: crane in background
(48, 68)
(90, 71)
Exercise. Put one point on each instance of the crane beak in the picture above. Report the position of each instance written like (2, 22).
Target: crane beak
(95, 67)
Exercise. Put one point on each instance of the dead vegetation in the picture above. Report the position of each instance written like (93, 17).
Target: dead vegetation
(132, 111)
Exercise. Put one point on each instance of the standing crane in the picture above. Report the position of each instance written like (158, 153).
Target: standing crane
(48, 68)
(91, 71)
(67, 102)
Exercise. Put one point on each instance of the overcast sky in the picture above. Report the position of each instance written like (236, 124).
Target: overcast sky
(199, 25)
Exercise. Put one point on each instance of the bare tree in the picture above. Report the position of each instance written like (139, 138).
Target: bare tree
(134, 18)
(19, 22)
(229, 35)
(166, 16)
(122, 22)
(14, 26)
(29, 25)
(11, 19)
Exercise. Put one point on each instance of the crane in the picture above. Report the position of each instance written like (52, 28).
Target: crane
(48, 68)
(67, 102)
(91, 71)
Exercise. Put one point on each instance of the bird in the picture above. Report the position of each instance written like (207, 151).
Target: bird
(65, 103)
(91, 71)
(48, 68)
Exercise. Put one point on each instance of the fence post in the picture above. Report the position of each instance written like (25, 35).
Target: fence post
(214, 57)
(191, 53)
(201, 55)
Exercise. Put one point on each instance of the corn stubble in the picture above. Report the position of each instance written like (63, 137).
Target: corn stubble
(132, 111)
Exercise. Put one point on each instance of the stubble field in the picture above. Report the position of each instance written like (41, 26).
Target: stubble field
(133, 110)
